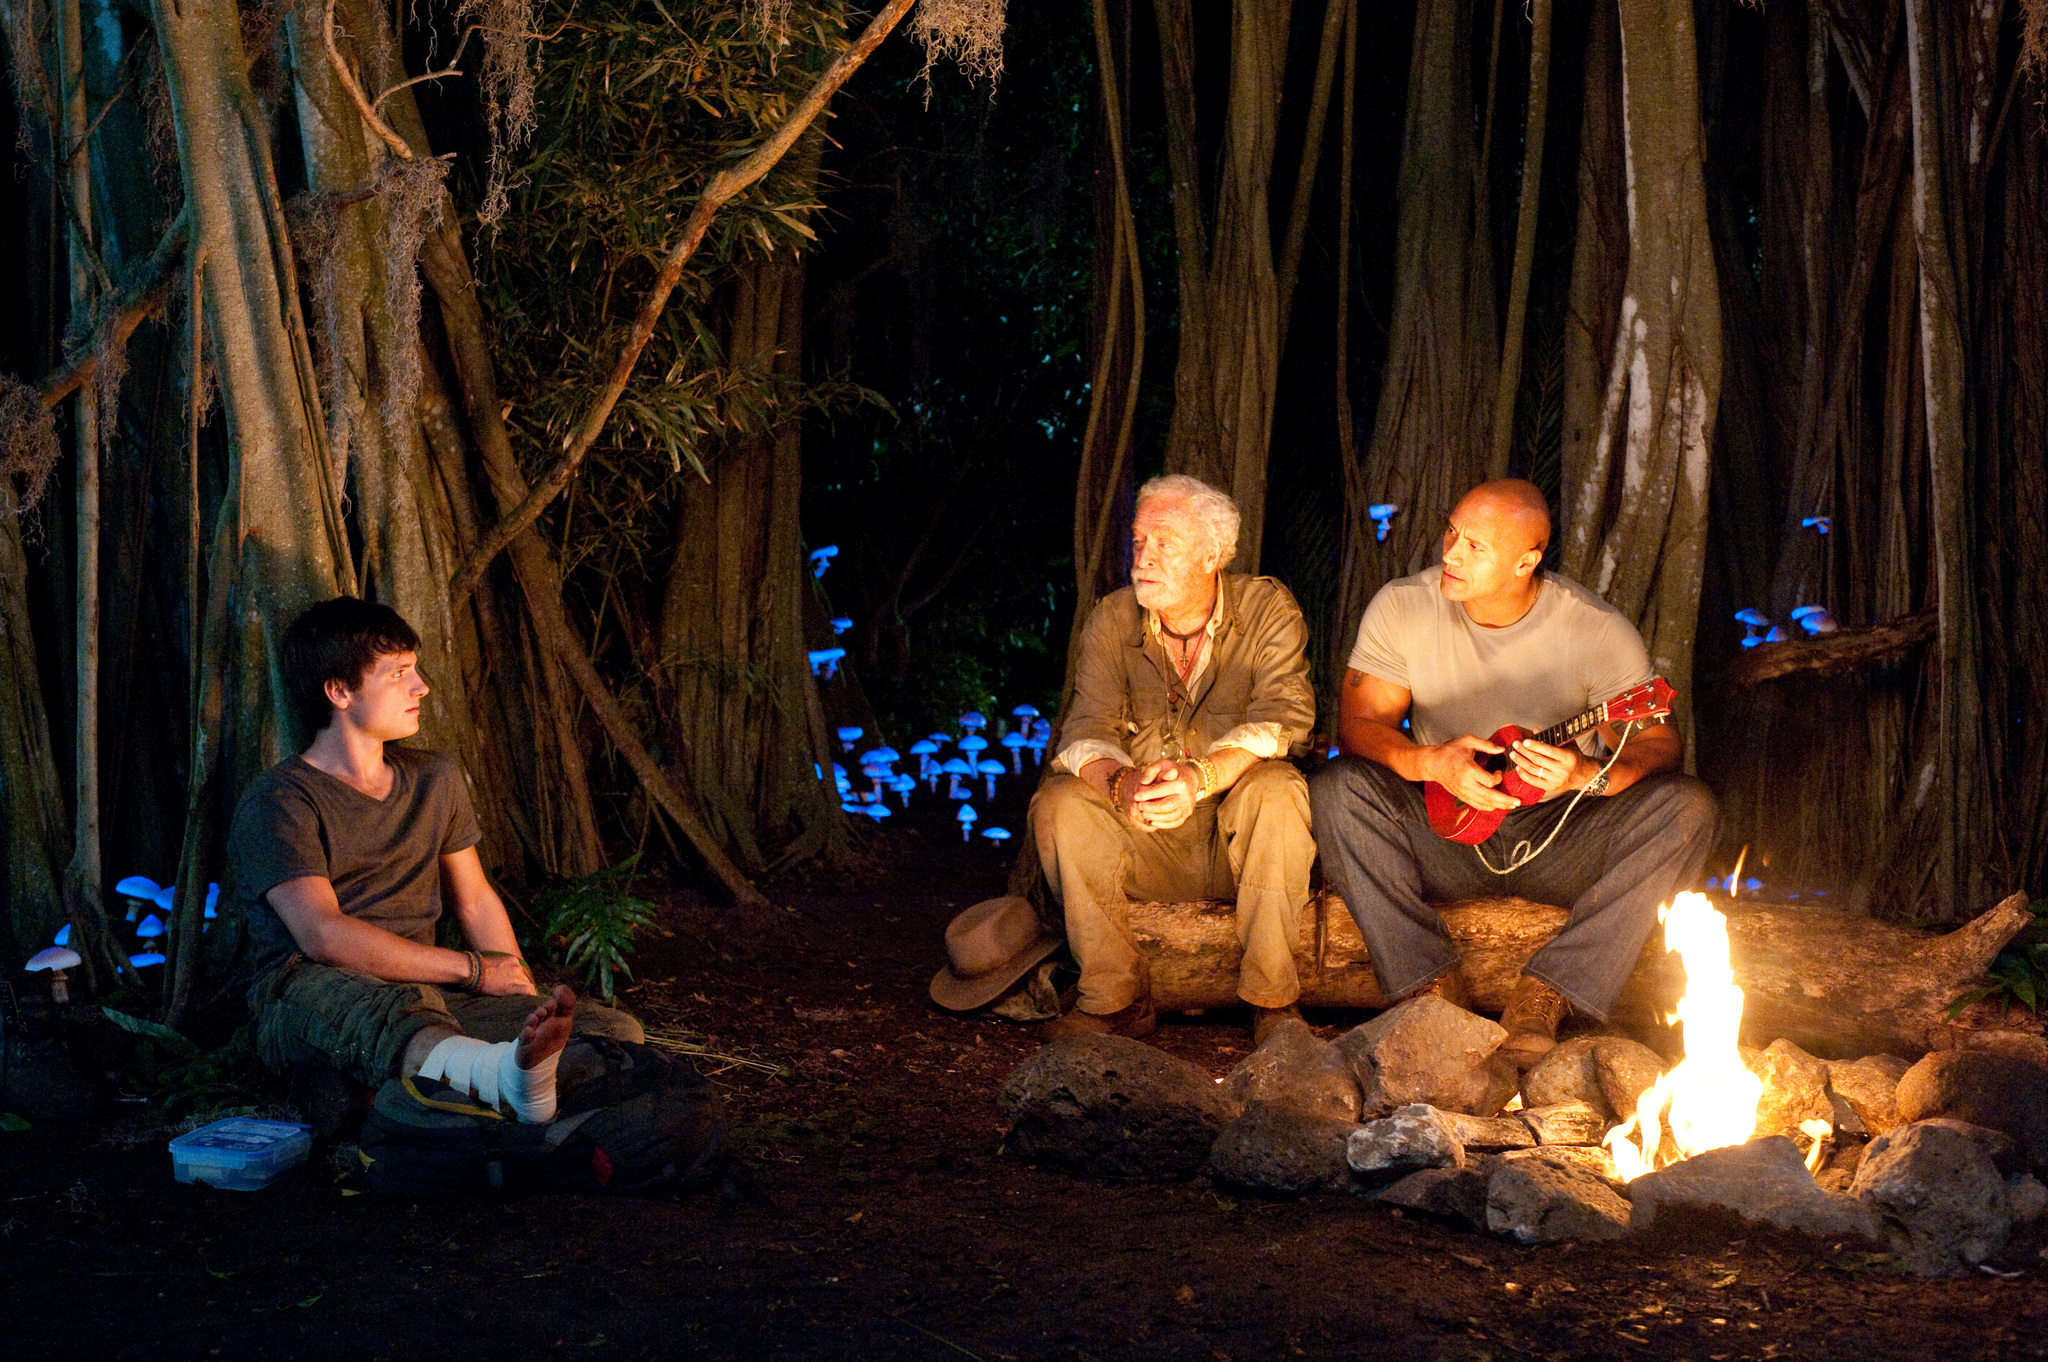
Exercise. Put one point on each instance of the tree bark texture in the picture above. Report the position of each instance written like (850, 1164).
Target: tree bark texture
(733, 650)
(1525, 241)
(1599, 258)
(32, 825)
(1838, 984)
(376, 440)
(1229, 357)
(1431, 430)
(1957, 735)
(1641, 543)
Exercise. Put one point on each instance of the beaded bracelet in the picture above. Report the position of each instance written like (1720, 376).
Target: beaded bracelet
(1116, 785)
(1208, 770)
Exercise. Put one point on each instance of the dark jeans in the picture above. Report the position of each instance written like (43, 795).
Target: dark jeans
(1617, 860)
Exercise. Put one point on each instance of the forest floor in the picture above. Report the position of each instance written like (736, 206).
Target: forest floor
(891, 1226)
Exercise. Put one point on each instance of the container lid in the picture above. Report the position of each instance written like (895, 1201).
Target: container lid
(242, 1134)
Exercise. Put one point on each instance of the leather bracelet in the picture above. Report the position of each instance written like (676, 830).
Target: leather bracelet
(475, 982)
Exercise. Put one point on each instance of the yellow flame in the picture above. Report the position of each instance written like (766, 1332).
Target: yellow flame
(1820, 1132)
(1709, 1100)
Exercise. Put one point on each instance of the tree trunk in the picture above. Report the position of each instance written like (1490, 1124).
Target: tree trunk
(1599, 260)
(733, 650)
(32, 832)
(370, 369)
(1965, 856)
(1643, 547)
(1835, 983)
(1229, 356)
(1525, 241)
(278, 540)
(1436, 392)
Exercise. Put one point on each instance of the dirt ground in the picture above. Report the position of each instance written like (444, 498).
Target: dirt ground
(891, 1226)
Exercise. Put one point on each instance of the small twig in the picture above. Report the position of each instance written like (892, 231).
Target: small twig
(408, 84)
(355, 92)
(677, 1045)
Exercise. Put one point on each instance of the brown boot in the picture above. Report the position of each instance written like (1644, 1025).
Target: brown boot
(1136, 1021)
(1264, 1019)
(1531, 1020)
(1450, 987)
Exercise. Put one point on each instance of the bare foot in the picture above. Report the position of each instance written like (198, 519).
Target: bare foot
(547, 1029)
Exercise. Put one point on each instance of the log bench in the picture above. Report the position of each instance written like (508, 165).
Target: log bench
(1837, 984)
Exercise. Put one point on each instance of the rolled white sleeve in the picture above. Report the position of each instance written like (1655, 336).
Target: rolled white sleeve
(1264, 741)
(1079, 753)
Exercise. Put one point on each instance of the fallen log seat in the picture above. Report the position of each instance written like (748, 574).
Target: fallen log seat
(1836, 984)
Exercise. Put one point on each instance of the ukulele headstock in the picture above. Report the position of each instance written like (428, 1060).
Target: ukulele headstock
(1651, 700)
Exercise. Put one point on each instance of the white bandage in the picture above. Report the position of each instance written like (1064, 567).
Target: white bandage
(491, 1074)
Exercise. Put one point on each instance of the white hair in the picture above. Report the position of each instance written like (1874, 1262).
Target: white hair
(1213, 510)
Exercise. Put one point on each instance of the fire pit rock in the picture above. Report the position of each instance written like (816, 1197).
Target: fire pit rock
(1114, 1106)
(1296, 1069)
(1415, 1136)
(1426, 1050)
(1490, 1133)
(2026, 1197)
(1540, 1198)
(1984, 1088)
(1868, 1088)
(1458, 1193)
(1610, 1072)
(1937, 1196)
(1764, 1182)
(1795, 1089)
(1567, 1123)
(1283, 1149)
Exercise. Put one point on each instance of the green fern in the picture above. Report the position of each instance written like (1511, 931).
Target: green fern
(591, 922)
(2018, 975)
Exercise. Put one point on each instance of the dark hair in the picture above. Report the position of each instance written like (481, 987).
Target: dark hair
(338, 640)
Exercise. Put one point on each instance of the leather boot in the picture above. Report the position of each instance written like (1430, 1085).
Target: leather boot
(1264, 1019)
(1450, 987)
(1531, 1020)
(1136, 1021)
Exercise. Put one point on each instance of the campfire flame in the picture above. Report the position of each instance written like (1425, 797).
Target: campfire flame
(1820, 1132)
(1709, 1100)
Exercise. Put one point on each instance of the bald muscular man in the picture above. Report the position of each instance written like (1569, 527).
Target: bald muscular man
(1483, 640)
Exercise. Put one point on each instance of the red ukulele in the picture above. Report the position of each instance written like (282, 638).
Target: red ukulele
(1451, 817)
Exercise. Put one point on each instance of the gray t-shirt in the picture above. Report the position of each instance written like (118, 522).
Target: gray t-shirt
(1570, 652)
(381, 855)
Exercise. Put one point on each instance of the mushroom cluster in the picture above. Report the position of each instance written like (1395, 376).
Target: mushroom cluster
(865, 791)
(140, 893)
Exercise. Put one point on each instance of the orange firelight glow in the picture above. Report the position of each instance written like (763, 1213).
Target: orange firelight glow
(1709, 1100)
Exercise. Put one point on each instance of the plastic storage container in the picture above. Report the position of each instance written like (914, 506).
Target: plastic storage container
(240, 1153)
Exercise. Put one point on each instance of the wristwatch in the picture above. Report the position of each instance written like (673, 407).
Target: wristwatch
(1597, 785)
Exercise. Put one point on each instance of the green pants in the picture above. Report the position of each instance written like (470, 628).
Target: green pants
(360, 1024)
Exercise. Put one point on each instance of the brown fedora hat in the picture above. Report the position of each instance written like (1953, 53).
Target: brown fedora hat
(988, 948)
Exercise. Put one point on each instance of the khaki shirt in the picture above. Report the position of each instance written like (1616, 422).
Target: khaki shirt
(1249, 688)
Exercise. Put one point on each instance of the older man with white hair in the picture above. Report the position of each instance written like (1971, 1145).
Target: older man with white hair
(1190, 694)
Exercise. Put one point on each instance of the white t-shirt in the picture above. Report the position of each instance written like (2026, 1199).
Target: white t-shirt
(1570, 652)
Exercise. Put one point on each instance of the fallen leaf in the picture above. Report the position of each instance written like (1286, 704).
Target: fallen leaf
(854, 1219)
(1469, 1261)
(1186, 1294)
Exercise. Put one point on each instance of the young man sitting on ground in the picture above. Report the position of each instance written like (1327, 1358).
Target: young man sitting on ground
(343, 856)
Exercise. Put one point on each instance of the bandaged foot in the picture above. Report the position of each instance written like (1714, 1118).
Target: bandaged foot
(519, 1074)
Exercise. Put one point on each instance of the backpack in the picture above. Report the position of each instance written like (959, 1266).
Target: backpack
(632, 1121)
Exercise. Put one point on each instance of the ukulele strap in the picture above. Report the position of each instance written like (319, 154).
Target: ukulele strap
(1522, 855)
